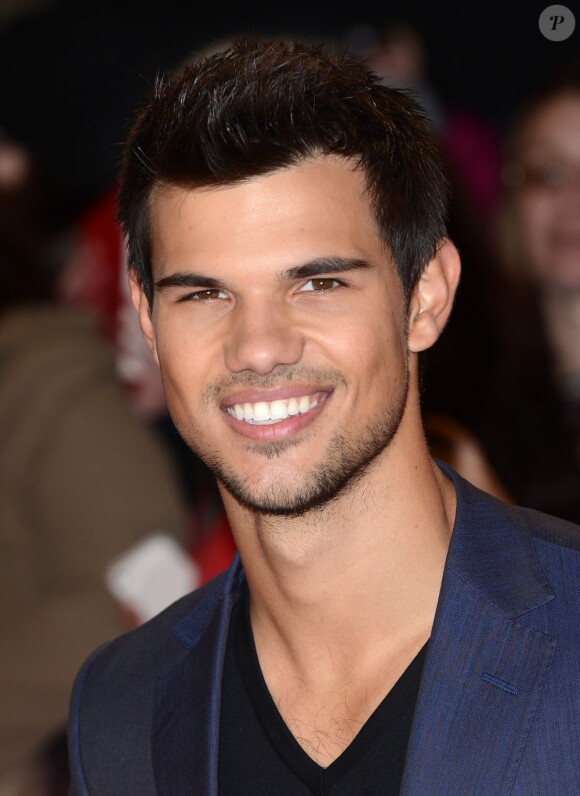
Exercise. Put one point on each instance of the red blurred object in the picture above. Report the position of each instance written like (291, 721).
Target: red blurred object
(91, 280)
(214, 550)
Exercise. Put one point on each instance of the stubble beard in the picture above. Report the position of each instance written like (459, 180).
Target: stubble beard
(345, 462)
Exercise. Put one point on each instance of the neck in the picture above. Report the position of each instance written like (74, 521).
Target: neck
(367, 566)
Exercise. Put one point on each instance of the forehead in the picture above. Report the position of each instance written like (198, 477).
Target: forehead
(318, 207)
(554, 124)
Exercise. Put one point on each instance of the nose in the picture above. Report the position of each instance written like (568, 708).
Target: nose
(262, 336)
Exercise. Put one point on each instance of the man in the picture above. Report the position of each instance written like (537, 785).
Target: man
(388, 628)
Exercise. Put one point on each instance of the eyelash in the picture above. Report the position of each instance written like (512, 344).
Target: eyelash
(202, 295)
(198, 293)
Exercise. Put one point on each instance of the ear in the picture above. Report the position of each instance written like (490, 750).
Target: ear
(433, 296)
(141, 305)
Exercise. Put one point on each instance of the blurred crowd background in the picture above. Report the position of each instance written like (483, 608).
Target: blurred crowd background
(90, 463)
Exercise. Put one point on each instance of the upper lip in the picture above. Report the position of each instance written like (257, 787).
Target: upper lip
(274, 394)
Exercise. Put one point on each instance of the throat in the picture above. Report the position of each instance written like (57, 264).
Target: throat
(326, 705)
(298, 726)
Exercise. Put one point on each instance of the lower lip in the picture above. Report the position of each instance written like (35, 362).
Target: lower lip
(276, 431)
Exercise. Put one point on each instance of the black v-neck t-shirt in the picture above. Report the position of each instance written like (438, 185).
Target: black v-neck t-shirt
(258, 755)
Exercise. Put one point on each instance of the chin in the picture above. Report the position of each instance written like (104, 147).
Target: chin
(344, 463)
(304, 495)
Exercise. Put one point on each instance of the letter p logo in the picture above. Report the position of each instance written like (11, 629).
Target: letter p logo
(556, 23)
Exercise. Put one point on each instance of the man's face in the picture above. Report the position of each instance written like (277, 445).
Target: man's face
(279, 325)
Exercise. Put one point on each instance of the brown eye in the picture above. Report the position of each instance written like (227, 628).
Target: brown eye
(203, 295)
(211, 294)
(320, 284)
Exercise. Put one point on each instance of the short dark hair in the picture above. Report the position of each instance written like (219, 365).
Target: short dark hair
(261, 106)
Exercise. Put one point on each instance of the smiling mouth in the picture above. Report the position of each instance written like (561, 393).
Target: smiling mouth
(268, 413)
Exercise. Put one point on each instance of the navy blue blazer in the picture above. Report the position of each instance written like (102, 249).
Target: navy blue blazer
(498, 710)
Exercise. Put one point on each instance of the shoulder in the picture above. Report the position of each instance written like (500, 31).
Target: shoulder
(556, 548)
(548, 530)
(557, 545)
(51, 334)
(555, 542)
(112, 710)
(153, 646)
(523, 561)
(483, 518)
(55, 347)
(120, 675)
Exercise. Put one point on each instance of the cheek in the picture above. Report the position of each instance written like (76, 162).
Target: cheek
(535, 217)
(377, 354)
(186, 350)
(533, 211)
(177, 396)
(182, 365)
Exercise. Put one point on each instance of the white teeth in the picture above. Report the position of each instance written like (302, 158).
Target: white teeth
(278, 410)
(274, 411)
(304, 404)
(261, 411)
(293, 407)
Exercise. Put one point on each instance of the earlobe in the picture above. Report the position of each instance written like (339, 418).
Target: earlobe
(142, 308)
(433, 296)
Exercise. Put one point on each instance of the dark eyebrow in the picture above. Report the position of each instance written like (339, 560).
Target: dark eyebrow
(323, 265)
(189, 279)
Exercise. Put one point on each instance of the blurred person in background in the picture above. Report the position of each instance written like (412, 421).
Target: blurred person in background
(539, 244)
(82, 481)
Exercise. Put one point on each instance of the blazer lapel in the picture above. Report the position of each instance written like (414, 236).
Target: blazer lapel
(185, 739)
(485, 667)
